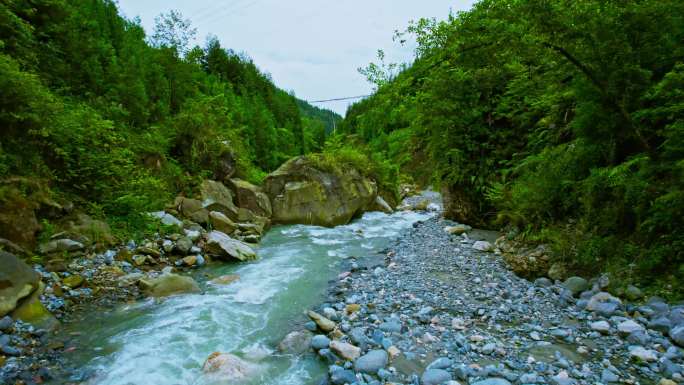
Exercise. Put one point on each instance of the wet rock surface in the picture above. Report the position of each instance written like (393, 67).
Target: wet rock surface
(441, 308)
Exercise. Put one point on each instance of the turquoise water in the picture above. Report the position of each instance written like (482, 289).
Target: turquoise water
(166, 342)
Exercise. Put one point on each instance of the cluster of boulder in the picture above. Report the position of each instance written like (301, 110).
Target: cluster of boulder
(82, 265)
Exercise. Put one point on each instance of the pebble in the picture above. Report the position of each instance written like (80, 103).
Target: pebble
(435, 377)
(602, 327)
(629, 327)
(371, 362)
(6, 323)
(346, 351)
(493, 381)
(320, 341)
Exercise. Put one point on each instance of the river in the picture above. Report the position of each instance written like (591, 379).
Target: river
(166, 342)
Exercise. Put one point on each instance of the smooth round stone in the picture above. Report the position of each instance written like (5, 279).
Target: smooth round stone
(391, 326)
(607, 376)
(576, 285)
(6, 323)
(629, 326)
(493, 381)
(440, 363)
(310, 326)
(435, 377)
(341, 376)
(371, 362)
(320, 341)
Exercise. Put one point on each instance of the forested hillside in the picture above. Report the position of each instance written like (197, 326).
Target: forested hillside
(96, 113)
(562, 121)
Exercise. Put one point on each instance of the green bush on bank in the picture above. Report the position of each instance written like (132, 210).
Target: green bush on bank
(119, 124)
(562, 119)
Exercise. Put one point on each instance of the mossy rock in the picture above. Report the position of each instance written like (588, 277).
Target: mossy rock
(17, 281)
(32, 311)
(73, 281)
(302, 193)
(251, 197)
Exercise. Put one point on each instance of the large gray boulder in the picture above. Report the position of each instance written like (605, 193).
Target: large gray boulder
(251, 197)
(222, 246)
(217, 197)
(300, 192)
(17, 281)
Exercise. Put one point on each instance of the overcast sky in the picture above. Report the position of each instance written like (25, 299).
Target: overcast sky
(312, 47)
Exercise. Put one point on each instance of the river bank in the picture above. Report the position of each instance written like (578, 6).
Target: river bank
(397, 299)
(439, 307)
(167, 340)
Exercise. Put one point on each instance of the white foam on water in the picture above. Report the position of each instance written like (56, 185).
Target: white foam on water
(322, 241)
(167, 342)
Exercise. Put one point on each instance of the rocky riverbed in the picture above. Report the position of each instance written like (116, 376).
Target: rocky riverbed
(442, 308)
(438, 306)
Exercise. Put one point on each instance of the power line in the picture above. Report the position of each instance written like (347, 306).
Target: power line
(336, 99)
(239, 7)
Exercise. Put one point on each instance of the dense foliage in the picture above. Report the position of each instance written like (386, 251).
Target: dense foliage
(120, 122)
(562, 118)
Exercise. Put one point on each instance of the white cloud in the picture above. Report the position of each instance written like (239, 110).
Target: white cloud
(313, 47)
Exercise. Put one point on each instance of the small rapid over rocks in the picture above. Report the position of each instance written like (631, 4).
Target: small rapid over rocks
(167, 341)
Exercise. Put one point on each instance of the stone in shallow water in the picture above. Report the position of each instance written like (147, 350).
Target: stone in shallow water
(225, 279)
(227, 367)
(169, 284)
(296, 342)
(221, 245)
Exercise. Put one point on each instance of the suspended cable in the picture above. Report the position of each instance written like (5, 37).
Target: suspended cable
(336, 99)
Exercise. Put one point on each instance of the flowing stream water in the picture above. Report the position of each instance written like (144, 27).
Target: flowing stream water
(166, 342)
